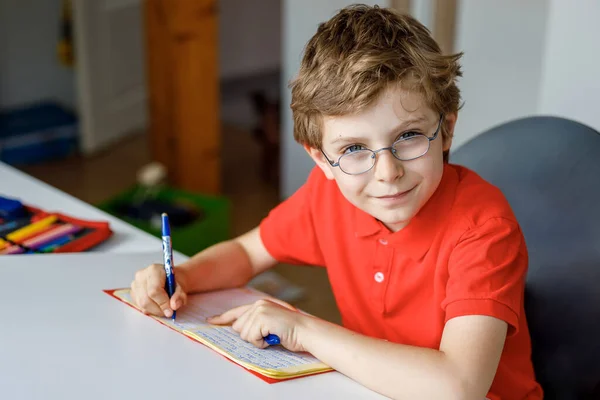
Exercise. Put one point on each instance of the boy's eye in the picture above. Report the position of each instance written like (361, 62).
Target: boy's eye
(353, 148)
(407, 135)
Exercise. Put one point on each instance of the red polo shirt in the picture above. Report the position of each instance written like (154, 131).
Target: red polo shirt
(462, 254)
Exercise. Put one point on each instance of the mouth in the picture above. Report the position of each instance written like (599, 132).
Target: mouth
(396, 196)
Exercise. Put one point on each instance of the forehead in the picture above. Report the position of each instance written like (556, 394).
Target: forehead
(395, 107)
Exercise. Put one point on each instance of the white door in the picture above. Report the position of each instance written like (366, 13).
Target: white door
(109, 65)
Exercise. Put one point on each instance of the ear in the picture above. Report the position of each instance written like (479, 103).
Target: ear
(319, 159)
(449, 124)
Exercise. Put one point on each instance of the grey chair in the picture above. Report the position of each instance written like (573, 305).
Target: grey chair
(549, 170)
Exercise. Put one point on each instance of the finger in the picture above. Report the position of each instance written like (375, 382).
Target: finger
(243, 320)
(281, 303)
(253, 336)
(147, 306)
(250, 332)
(135, 286)
(253, 331)
(156, 292)
(247, 320)
(142, 301)
(229, 316)
(253, 323)
(178, 299)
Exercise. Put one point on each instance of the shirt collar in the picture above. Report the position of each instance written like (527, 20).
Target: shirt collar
(415, 239)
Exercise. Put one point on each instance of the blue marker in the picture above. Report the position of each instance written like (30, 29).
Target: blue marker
(168, 257)
(8, 227)
(50, 246)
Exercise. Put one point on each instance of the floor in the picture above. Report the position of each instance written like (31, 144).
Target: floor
(102, 176)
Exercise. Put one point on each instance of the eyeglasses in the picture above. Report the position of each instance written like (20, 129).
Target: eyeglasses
(404, 149)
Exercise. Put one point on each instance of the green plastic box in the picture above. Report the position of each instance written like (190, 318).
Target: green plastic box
(213, 227)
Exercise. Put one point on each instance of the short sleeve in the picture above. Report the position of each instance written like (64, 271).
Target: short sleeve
(288, 232)
(486, 273)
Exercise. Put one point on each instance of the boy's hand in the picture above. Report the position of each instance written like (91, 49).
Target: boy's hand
(264, 317)
(148, 291)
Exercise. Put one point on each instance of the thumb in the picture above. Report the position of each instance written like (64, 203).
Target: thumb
(179, 298)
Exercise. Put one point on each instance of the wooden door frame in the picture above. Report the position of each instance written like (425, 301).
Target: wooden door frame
(183, 91)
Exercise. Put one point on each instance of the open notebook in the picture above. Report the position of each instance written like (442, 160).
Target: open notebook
(274, 362)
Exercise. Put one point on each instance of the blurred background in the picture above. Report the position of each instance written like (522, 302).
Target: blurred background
(93, 91)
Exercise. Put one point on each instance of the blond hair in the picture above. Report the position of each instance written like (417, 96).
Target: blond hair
(357, 54)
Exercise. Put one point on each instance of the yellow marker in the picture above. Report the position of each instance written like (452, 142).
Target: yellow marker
(31, 229)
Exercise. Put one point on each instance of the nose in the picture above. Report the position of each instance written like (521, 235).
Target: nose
(387, 167)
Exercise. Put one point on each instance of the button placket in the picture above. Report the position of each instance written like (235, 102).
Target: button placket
(381, 265)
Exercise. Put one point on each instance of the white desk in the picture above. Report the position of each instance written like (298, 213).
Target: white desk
(126, 238)
(61, 337)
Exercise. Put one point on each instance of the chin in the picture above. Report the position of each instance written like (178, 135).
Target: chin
(396, 219)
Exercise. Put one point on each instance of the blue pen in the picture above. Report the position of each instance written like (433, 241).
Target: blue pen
(272, 340)
(168, 257)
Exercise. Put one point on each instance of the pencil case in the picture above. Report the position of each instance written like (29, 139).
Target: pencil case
(37, 231)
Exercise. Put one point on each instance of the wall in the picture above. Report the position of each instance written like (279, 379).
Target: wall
(29, 68)
(423, 10)
(527, 58)
(570, 78)
(503, 42)
(300, 21)
(249, 43)
(249, 56)
(249, 37)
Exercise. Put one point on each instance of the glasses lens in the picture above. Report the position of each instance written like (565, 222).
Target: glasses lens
(411, 148)
(357, 162)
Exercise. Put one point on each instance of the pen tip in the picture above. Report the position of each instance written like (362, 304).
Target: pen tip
(164, 214)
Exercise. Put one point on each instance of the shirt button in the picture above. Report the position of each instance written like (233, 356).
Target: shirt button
(379, 277)
(383, 241)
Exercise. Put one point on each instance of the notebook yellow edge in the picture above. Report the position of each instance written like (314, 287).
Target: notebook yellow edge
(271, 373)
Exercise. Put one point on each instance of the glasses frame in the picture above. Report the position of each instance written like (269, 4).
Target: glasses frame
(390, 148)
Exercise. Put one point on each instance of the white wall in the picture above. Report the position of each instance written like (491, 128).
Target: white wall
(536, 57)
(300, 21)
(29, 67)
(503, 42)
(249, 37)
(249, 43)
(571, 74)
(423, 10)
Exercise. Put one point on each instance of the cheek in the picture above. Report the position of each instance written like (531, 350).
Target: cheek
(422, 167)
(351, 185)
(432, 172)
(437, 147)
(427, 169)
(434, 159)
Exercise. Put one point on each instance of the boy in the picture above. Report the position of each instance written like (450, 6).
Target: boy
(426, 260)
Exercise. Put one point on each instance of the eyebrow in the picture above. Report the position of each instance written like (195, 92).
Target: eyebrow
(396, 129)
